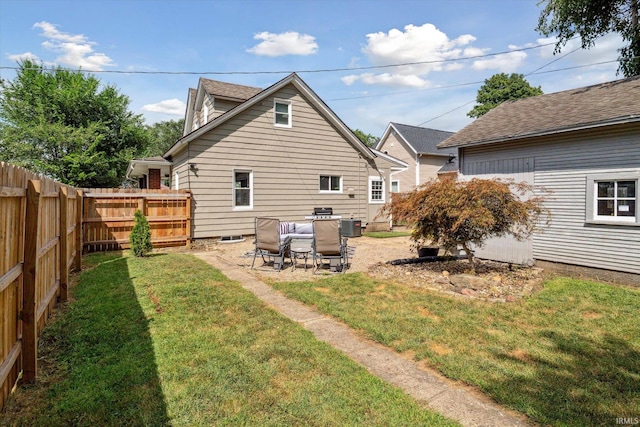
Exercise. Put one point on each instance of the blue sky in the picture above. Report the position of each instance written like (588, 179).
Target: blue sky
(154, 51)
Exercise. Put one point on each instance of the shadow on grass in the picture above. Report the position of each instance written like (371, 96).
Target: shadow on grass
(104, 353)
(588, 382)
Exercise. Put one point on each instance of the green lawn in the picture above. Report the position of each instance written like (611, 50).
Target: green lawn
(568, 355)
(168, 340)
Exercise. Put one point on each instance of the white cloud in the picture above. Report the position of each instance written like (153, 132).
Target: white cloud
(504, 62)
(387, 79)
(75, 50)
(24, 57)
(168, 106)
(423, 47)
(289, 43)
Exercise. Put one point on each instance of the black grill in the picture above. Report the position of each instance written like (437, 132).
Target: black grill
(323, 211)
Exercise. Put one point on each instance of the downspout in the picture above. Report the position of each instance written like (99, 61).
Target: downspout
(418, 169)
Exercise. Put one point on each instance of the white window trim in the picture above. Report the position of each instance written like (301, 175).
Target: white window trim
(205, 113)
(233, 189)
(395, 180)
(282, 101)
(330, 191)
(371, 180)
(592, 216)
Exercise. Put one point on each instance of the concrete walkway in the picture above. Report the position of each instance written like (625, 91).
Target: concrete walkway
(463, 404)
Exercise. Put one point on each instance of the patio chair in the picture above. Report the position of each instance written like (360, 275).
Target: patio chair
(329, 245)
(269, 244)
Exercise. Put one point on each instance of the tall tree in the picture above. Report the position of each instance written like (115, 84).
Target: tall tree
(591, 19)
(65, 125)
(500, 88)
(368, 139)
(162, 136)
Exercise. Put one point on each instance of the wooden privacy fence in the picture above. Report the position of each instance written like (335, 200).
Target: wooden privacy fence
(40, 232)
(108, 217)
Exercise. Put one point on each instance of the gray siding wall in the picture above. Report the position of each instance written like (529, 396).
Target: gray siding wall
(286, 164)
(562, 165)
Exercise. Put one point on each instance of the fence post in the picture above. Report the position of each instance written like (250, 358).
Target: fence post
(79, 230)
(64, 245)
(29, 308)
(188, 224)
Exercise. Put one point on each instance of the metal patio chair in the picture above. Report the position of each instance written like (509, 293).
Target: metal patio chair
(329, 245)
(269, 244)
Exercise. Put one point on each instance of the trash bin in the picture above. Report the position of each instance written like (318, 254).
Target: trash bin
(351, 227)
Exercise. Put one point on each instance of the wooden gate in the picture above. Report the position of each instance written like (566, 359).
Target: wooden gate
(108, 217)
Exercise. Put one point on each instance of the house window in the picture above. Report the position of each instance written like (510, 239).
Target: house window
(330, 184)
(242, 189)
(395, 186)
(282, 113)
(376, 189)
(612, 198)
(205, 113)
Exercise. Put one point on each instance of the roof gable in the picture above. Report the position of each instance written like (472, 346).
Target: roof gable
(592, 106)
(420, 140)
(304, 89)
(230, 91)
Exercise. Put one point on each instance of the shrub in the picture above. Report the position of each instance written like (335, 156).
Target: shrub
(467, 213)
(140, 237)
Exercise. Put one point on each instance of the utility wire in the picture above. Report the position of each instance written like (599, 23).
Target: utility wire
(323, 70)
(536, 71)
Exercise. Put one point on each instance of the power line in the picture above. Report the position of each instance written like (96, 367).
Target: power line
(322, 70)
(536, 71)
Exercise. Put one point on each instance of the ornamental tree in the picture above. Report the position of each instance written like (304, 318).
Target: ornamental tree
(467, 213)
(140, 237)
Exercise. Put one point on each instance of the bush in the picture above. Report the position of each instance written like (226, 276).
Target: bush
(467, 213)
(140, 237)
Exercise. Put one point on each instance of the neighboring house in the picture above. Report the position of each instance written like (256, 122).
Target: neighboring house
(150, 172)
(583, 147)
(281, 152)
(418, 148)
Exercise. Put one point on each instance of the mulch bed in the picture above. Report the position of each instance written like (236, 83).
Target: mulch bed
(493, 281)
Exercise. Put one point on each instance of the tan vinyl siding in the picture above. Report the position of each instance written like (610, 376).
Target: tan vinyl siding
(562, 165)
(286, 164)
(221, 107)
(429, 167)
(396, 147)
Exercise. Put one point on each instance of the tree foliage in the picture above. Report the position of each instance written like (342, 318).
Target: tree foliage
(590, 19)
(64, 125)
(162, 136)
(368, 139)
(140, 237)
(449, 213)
(500, 88)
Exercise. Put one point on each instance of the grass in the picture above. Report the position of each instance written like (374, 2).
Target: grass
(168, 340)
(568, 355)
(386, 234)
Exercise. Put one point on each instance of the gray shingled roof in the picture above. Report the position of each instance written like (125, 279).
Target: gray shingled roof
(423, 140)
(602, 104)
(229, 90)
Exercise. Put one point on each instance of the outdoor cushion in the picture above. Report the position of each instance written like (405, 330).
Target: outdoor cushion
(304, 228)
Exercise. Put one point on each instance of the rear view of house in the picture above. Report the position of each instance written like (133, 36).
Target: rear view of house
(279, 152)
(583, 147)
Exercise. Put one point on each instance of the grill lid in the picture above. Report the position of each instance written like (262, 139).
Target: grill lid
(323, 211)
